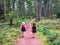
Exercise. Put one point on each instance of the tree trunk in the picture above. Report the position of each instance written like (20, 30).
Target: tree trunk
(50, 10)
(36, 11)
(11, 21)
(16, 4)
(39, 9)
(12, 9)
(45, 9)
(29, 11)
(22, 8)
(4, 8)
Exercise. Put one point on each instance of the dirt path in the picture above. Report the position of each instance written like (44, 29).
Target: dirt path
(28, 40)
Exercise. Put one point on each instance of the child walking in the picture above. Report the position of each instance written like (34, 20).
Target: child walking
(23, 29)
(34, 30)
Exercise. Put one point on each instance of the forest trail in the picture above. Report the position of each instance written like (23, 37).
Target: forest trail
(28, 40)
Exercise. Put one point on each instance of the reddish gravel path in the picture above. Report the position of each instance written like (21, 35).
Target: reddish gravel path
(28, 40)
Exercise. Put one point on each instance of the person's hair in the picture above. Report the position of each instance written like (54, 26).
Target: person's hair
(23, 22)
(34, 24)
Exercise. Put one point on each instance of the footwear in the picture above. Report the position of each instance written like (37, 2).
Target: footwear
(19, 37)
(22, 36)
(33, 37)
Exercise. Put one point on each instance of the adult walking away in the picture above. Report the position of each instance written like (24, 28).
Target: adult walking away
(23, 29)
(34, 30)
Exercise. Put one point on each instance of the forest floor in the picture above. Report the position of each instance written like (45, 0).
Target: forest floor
(28, 40)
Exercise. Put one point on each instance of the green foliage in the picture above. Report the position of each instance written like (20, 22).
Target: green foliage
(8, 34)
(7, 43)
(45, 1)
(0, 1)
(43, 29)
(54, 16)
(33, 13)
(10, 14)
(18, 21)
(39, 28)
(51, 36)
(56, 42)
(1, 36)
(29, 2)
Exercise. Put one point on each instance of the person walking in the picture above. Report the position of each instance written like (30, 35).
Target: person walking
(34, 30)
(23, 29)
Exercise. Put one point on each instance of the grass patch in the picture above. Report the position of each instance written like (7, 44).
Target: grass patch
(48, 32)
(8, 34)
